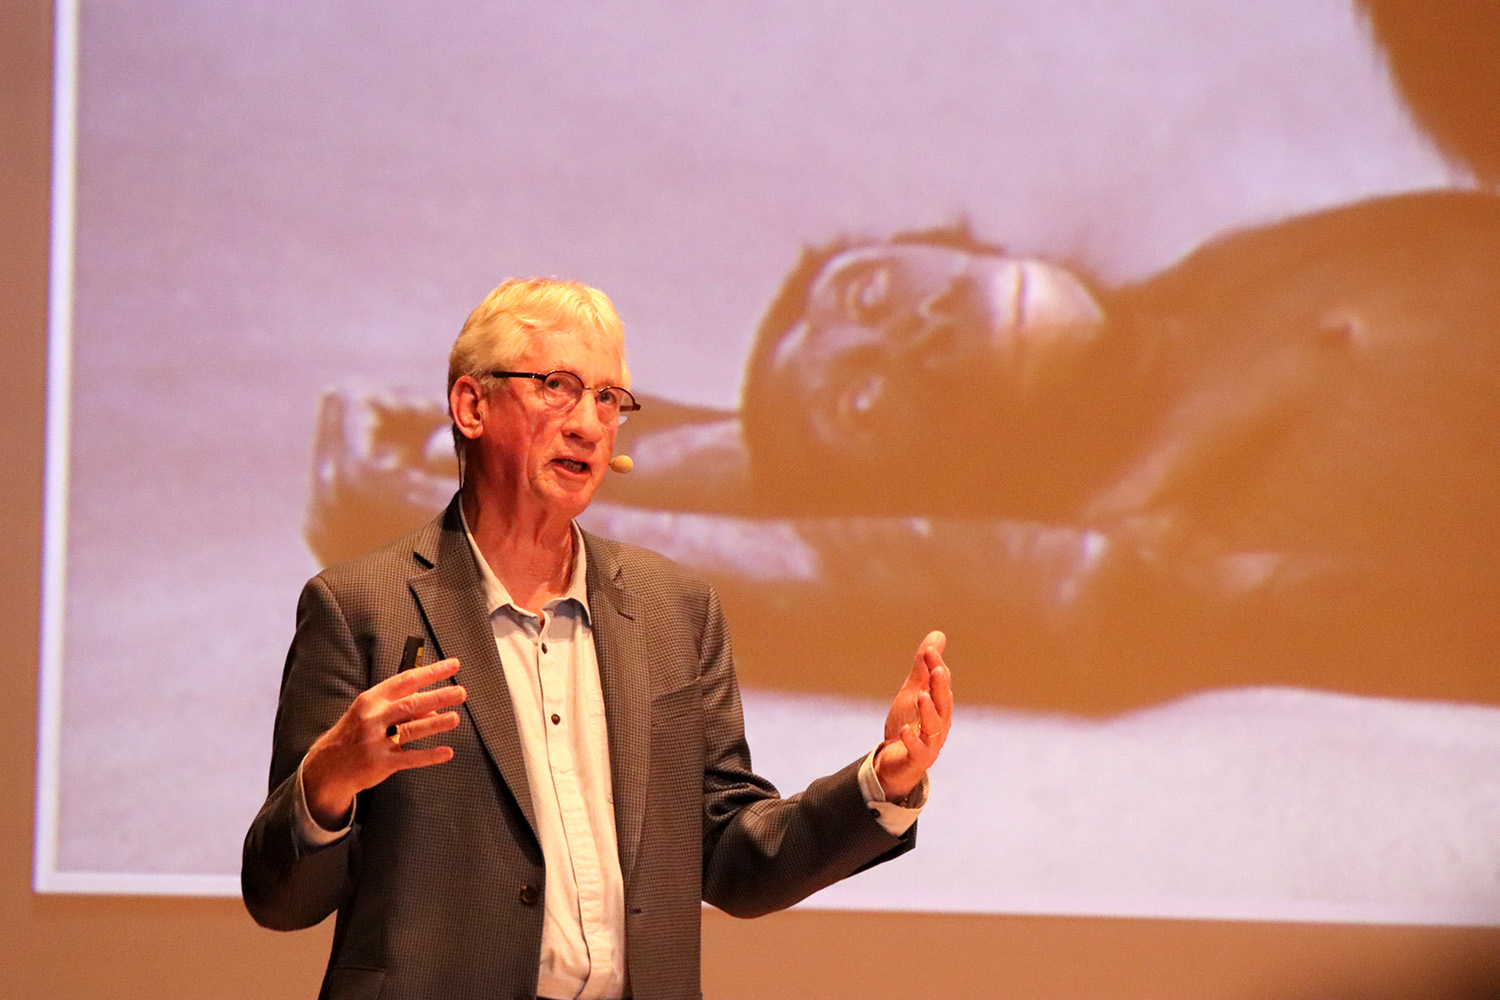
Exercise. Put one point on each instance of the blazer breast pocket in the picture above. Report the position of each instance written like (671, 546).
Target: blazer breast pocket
(682, 699)
(678, 710)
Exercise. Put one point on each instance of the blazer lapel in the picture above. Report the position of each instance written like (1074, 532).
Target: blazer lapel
(452, 600)
(620, 640)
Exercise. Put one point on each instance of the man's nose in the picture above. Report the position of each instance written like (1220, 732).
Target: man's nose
(584, 420)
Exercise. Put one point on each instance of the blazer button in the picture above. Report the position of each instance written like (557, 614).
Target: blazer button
(529, 895)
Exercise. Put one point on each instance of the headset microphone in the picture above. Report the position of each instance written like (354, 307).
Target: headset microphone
(622, 463)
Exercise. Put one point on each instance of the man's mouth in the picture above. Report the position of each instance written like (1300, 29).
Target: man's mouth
(573, 465)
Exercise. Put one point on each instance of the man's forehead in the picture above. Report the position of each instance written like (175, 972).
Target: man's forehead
(572, 347)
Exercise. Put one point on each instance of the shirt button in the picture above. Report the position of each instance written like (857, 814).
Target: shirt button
(556, 718)
(544, 647)
(528, 895)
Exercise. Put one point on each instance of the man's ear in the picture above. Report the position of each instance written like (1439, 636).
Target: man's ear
(467, 406)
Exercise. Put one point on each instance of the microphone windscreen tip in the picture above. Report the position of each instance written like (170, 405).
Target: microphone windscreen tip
(622, 463)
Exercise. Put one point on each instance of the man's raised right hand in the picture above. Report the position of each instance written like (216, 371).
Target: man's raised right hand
(357, 753)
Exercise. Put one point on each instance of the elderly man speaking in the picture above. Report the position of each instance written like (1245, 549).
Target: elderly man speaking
(539, 810)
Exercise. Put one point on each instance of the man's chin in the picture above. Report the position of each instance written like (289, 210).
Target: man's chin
(568, 496)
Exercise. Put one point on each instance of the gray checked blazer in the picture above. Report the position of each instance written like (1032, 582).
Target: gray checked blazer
(438, 888)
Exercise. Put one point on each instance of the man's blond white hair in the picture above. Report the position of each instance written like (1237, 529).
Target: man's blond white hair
(501, 327)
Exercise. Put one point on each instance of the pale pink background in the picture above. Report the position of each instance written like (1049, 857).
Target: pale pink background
(274, 198)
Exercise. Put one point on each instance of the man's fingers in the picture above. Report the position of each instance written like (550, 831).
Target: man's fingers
(425, 757)
(941, 686)
(427, 725)
(927, 713)
(939, 676)
(929, 655)
(911, 738)
(934, 728)
(414, 706)
(919, 752)
(409, 681)
(928, 679)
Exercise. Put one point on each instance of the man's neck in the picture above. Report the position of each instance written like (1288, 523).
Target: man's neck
(533, 560)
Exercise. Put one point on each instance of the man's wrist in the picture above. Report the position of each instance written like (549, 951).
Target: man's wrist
(892, 789)
(915, 798)
(895, 817)
(311, 828)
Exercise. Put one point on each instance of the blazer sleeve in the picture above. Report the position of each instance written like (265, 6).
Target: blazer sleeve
(287, 883)
(762, 852)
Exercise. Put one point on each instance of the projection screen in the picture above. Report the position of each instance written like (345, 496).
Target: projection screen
(1193, 453)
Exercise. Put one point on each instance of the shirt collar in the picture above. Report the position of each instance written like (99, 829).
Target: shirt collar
(497, 597)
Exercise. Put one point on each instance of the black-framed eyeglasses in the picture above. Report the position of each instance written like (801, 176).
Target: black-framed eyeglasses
(561, 390)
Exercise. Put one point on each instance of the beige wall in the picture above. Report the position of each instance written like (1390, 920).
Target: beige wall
(164, 948)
